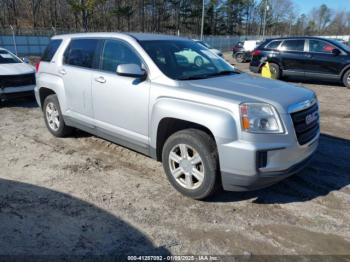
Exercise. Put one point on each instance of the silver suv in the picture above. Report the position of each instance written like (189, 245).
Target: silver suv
(177, 102)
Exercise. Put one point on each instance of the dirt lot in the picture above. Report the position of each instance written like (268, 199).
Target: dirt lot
(83, 195)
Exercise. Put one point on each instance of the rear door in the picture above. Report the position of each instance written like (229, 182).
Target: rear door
(322, 62)
(80, 58)
(292, 56)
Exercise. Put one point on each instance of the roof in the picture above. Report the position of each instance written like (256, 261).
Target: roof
(137, 36)
(146, 36)
(297, 37)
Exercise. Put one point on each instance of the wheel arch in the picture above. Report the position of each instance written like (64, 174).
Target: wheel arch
(51, 84)
(171, 115)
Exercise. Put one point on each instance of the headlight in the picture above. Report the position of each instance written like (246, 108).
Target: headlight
(260, 118)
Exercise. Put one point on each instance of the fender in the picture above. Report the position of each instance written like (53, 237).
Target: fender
(346, 68)
(54, 83)
(219, 121)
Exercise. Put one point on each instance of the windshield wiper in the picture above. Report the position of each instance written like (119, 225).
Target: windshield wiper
(220, 73)
(223, 73)
(194, 77)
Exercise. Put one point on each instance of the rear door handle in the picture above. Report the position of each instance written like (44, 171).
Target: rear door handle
(100, 79)
(62, 71)
(308, 55)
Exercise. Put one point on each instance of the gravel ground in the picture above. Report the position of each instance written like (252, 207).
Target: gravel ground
(83, 195)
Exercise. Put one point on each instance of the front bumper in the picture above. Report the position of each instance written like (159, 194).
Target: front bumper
(243, 173)
(18, 91)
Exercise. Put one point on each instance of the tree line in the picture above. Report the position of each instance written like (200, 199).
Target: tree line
(222, 17)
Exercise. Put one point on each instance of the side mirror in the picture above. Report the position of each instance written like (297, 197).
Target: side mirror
(26, 60)
(131, 70)
(336, 52)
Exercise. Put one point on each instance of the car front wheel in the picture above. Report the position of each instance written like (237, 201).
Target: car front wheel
(190, 161)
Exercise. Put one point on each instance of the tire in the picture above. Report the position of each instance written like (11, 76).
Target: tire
(53, 117)
(275, 71)
(239, 57)
(205, 181)
(346, 79)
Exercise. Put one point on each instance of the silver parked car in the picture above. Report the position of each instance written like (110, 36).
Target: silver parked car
(210, 125)
(17, 78)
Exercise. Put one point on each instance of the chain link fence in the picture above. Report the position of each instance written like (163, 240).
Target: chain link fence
(32, 42)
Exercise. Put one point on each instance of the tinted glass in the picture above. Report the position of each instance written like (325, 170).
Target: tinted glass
(320, 46)
(342, 45)
(81, 52)
(273, 45)
(184, 60)
(116, 53)
(8, 58)
(293, 45)
(51, 50)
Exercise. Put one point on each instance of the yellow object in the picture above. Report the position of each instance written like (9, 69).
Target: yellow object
(265, 71)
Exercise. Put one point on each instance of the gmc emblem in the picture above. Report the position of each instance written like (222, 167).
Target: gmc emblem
(311, 118)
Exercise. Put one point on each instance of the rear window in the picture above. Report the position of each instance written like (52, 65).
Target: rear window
(293, 45)
(51, 50)
(81, 52)
(8, 58)
(273, 45)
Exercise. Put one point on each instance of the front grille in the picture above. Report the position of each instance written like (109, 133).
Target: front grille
(17, 80)
(306, 124)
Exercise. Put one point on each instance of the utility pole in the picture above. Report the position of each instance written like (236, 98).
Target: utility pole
(14, 39)
(202, 26)
(266, 8)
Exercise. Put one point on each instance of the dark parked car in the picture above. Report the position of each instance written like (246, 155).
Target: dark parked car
(312, 57)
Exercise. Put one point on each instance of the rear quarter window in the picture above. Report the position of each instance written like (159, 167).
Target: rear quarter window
(51, 50)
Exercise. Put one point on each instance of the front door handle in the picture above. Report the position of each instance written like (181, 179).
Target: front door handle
(100, 79)
(308, 55)
(62, 71)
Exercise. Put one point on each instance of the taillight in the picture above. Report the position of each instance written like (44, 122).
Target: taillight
(256, 52)
(37, 65)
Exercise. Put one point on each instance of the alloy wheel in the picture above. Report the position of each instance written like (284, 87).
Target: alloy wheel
(186, 166)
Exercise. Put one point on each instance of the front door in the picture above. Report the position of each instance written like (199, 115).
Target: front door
(322, 62)
(120, 103)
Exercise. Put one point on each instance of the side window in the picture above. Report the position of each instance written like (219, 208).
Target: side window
(273, 45)
(81, 52)
(293, 45)
(320, 46)
(116, 53)
(51, 50)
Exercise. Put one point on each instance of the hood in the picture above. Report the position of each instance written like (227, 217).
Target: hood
(247, 88)
(16, 69)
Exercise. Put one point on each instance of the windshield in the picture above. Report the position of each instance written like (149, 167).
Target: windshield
(185, 60)
(8, 58)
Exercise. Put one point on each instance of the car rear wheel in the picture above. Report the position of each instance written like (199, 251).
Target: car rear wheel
(239, 57)
(346, 79)
(190, 161)
(53, 117)
(275, 71)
